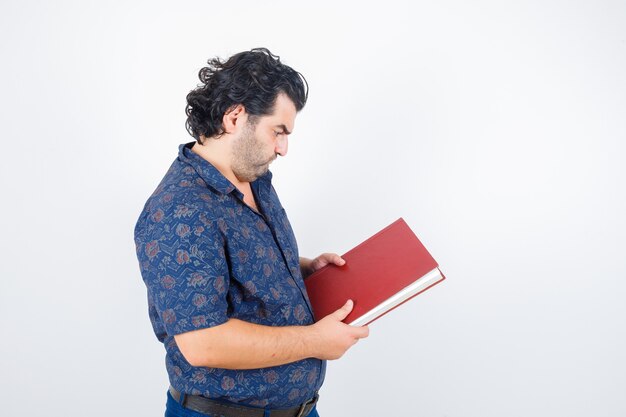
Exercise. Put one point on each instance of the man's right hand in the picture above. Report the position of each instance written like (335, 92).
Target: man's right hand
(334, 337)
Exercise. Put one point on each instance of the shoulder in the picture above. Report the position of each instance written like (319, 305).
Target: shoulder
(181, 201)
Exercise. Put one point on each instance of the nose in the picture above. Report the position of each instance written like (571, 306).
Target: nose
(281, 145)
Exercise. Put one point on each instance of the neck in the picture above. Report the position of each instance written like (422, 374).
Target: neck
(218, 153)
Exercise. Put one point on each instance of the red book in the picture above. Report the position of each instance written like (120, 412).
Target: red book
(383, 272)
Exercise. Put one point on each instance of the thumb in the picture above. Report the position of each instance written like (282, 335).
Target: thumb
(343, 312)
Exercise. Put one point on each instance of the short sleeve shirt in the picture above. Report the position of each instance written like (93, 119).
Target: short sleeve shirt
(206, 256)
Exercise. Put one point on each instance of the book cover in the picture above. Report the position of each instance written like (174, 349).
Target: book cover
(381, 273)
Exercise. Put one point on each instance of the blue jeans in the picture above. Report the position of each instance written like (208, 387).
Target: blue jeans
(174, 409)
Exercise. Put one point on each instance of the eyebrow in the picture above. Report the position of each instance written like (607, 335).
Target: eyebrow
(284, 128)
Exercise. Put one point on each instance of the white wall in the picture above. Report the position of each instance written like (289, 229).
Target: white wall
(496, 130)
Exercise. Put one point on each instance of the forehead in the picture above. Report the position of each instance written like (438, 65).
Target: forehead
(284, 113)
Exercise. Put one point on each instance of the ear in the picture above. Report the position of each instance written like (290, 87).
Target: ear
(234, 118)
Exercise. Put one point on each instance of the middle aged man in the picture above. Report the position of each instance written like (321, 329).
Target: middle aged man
(220, 261)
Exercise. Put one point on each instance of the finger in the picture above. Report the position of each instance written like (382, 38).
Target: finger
(320, 261)
(337, 260)
(343, 312)
(362, 332)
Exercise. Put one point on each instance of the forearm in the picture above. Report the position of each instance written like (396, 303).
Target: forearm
(238, 344)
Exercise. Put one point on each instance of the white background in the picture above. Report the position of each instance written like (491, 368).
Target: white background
(496, 129)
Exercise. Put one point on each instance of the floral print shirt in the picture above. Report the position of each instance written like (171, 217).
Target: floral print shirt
(206, 256)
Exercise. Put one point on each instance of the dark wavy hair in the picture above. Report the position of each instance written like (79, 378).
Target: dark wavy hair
(252, 78)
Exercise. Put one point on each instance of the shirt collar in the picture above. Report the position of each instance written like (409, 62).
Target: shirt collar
(211, 175)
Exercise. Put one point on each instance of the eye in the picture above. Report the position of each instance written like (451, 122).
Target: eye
(277, 133)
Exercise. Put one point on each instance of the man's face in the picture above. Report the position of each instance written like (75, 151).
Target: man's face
(261, 142)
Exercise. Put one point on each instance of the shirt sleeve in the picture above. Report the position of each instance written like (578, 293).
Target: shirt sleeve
(183, 264)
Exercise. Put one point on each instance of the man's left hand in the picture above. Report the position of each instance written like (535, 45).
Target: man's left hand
(308, 266)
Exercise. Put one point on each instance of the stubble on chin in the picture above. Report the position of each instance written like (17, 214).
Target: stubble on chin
(244, 175)
(246, 164)
(249, 173)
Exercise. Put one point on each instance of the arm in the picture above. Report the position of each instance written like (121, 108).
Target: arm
(237, 344)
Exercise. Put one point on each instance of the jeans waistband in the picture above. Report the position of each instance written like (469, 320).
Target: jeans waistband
(227, 409)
